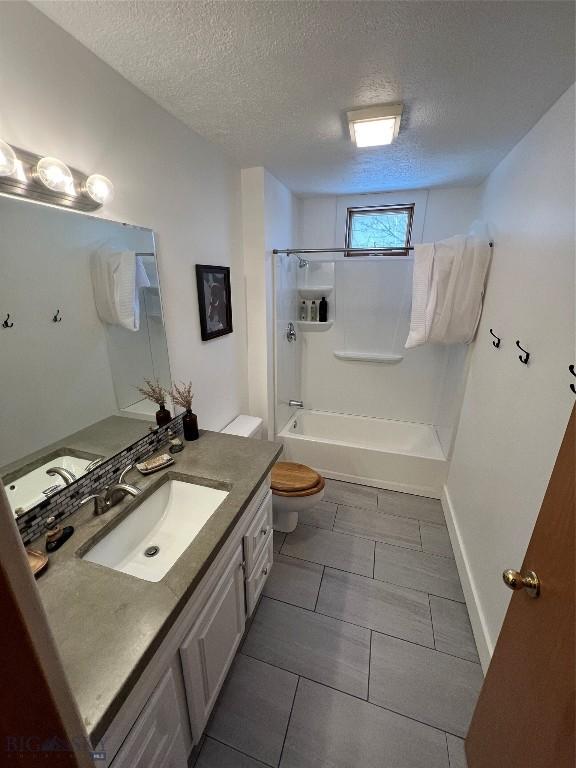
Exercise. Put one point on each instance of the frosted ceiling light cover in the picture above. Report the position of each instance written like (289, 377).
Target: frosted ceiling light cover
(55, 175)
(8, 160)
(375, 126)
(99, 188)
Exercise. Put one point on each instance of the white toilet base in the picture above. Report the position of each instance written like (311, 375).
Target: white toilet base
(286, 510)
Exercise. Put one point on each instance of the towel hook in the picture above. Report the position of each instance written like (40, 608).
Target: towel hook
(6, 324)
(573, 372)
(498, 339)
(525, 357)
(57, 317)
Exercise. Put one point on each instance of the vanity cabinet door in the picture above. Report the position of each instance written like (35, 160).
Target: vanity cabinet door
(255, 538)
(209, 648)
(156, 738)
(257, 579)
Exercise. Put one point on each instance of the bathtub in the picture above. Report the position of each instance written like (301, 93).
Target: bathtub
(395, 455)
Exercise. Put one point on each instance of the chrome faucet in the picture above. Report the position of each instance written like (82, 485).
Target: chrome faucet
(112, 494)
(295, 403)
(65, 474)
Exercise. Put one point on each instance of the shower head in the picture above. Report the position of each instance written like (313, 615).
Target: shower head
(302, 263)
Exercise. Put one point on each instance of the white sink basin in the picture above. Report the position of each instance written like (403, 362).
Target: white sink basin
(170, 519)
(28, 490)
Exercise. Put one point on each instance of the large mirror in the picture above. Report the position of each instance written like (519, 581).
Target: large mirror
(81, 328)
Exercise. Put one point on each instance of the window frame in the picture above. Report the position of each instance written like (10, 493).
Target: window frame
(400, 207)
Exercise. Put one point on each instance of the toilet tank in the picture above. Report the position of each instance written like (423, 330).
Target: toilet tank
(244, 426)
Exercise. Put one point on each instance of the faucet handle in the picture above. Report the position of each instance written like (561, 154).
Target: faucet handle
(124, 472)
(100, 503)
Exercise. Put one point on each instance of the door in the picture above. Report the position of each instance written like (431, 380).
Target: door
(209, 648)
(525, 714)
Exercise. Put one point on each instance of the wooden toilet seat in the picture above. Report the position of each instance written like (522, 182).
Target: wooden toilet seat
(295, 480)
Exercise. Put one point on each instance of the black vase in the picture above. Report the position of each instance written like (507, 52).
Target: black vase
(163, 416)
(190, 425)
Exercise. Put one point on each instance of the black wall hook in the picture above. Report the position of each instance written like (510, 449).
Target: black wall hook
(498, 339)
(57, 317)
(573, 372)
(525, 357)
(6, 324)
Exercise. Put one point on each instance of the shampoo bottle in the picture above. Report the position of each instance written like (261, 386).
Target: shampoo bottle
(313, 312)
(303, 310)
(323, 310)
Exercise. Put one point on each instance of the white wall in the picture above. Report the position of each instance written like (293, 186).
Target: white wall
(371, 304)
(269, 216)
(65, 102)
(514, 416)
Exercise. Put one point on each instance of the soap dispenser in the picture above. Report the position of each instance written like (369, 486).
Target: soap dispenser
(55, 535)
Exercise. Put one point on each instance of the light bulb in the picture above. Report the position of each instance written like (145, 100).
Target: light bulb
(99, 188)
(55, 175)
(8, 159)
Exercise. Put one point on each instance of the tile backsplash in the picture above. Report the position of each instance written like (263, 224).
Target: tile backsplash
(31, 524)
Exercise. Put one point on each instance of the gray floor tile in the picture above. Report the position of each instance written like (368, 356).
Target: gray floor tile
(408, 505)
(216, 755)
(350, 494)
(452, 630)
(278, 540)
(435, 539)
(418, 570)
(431, 687)
(349, 553)
(456, 753)
(372, 524)
(322, 515)
(329, 729)
(294, 581)
(253, 709)
(321, 648)
(384, 607)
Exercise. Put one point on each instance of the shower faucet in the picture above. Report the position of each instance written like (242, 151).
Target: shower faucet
(296, 403)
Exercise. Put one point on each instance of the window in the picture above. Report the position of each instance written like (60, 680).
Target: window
(387, 226)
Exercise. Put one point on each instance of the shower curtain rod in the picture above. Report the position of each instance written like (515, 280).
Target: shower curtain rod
(359, 251)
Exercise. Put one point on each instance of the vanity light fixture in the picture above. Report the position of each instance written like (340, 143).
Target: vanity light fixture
(99, 188)
(375, 126)
(55, 175)
(49, 180)
(8, 159)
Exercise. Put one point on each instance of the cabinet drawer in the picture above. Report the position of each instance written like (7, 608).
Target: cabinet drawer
(256, 580)
(156, 738)
(256, 536)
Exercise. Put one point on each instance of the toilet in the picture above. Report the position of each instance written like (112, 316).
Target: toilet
(295, 487)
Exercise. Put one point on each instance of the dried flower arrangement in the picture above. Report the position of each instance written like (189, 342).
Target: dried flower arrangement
(153, 391)
(182, 395)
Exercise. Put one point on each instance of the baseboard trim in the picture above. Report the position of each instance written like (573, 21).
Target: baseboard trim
(481, 636)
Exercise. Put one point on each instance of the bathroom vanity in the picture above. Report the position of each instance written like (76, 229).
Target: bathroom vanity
(146, 656)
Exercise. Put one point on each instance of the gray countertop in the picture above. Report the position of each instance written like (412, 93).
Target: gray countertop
(107, 624)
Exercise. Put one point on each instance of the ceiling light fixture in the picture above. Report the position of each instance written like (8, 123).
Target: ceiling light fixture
(375, 126)
(99, 188)
(8, 159)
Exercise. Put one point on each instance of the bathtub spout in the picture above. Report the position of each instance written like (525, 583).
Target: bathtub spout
(295, 403)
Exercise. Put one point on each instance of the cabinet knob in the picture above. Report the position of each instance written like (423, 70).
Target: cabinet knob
(265, 571)
(264, 531)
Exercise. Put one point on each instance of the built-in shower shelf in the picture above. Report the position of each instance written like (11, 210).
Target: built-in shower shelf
(312, 291)
(368, 357)
(309, 325)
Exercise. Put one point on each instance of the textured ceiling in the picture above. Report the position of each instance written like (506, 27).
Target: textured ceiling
(270, 81)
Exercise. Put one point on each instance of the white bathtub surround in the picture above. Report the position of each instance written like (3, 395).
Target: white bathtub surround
(514, 416)
(395, 455)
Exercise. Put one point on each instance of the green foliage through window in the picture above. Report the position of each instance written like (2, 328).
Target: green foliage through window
(386, 227)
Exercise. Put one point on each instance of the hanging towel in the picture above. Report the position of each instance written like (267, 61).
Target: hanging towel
(447, 290)
(117, 277)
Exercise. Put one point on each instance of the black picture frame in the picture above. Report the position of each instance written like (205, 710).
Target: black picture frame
(214, 301)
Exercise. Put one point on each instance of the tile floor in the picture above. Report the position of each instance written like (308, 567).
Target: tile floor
(360, 654)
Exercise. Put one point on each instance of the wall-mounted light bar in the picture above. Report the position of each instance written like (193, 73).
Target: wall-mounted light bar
(49, 180)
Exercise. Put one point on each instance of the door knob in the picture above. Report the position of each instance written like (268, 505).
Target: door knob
(515, 580)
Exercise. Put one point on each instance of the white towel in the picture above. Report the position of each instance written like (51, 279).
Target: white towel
(117, 277)
(447, 290)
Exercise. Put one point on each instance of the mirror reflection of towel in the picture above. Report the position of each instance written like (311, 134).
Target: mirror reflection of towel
(447, 290)
(117, 277)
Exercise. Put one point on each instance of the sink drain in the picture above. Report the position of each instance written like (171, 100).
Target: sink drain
(151, 551)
